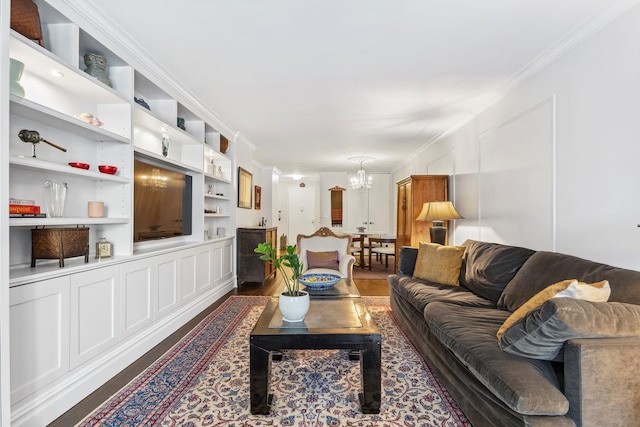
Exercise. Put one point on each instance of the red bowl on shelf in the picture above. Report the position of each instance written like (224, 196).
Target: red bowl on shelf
(79, 165)
(108, 169)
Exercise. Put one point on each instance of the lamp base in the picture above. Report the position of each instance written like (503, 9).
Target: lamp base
(438, 232)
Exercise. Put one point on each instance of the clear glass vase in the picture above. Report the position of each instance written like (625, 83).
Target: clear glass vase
(55, 196)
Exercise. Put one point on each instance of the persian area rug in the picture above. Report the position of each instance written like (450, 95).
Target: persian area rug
(204, 381)
(377, 272)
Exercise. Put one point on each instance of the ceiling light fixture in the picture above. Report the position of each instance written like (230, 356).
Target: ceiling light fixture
(361, 181)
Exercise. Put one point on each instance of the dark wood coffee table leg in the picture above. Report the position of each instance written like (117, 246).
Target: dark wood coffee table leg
(259, 371)
(370, 364)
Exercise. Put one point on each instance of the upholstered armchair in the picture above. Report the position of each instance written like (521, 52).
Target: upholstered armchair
(326, 252)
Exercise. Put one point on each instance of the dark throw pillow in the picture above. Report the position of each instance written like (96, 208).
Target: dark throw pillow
(323, 260)
(541, 334)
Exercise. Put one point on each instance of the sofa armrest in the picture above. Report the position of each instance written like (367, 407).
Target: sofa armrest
(602, 382)
(407, 261)
(345, 265)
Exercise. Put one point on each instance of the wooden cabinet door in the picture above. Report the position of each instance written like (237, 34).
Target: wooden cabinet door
(403, 234)
(250, 266)
(413, 192)
(271, 237)
(425, 188)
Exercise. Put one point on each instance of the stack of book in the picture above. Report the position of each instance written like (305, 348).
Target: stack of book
(22, 208)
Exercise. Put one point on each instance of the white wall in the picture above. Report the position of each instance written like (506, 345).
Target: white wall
(553, 165)
(244, 159)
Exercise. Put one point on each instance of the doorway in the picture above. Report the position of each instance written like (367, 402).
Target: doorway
(302, 212)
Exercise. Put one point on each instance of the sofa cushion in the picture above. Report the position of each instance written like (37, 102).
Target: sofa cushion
(543, 268)
(407, 261)
(439, 264)
(327, 259)
(595, 292)
(541, 334)
(527, 386)
(419, 293)
(489, 267)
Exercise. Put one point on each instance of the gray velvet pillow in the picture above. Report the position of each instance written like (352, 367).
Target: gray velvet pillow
(544, 268)
(541, 334)
(490, 266)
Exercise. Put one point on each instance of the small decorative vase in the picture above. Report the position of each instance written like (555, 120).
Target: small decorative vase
(16, 70)
(97, 67)
(165, 145)
(293, 308)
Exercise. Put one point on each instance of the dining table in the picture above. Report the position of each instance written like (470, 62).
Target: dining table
(364, 235)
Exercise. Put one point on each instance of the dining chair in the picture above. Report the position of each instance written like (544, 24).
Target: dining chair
(382, 246)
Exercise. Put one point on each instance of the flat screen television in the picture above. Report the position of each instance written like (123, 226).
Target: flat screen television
(162, 202)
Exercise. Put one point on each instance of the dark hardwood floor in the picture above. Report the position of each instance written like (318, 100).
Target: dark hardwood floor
(367, 287)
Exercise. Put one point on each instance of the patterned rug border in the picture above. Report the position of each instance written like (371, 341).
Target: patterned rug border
(186, 361)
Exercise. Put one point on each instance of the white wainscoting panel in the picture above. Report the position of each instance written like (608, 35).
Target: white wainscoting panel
(227, 260)
(95, 307)
(188, 261)
(39, 314)
(517, 166)
(217, 260)
(204, 280)
(137, 283)
(168, 289)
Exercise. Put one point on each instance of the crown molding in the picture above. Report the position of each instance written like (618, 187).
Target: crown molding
(114, 37)
(591, 26)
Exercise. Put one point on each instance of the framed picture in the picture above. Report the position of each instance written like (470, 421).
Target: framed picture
(257, 197)
(245, 184)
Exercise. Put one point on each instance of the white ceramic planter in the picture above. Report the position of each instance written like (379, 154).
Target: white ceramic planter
(294, 308)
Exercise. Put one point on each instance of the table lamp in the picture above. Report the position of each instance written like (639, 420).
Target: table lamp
(438, 212)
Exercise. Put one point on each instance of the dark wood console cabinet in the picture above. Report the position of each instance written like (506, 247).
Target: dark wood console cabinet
(251, 269)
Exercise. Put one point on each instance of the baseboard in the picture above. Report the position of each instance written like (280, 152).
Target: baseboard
(44, 406)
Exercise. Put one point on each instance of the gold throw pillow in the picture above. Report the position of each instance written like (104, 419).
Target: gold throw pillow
(439, 264)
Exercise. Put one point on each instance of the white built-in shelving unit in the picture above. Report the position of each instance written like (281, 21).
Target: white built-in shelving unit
(76, 326)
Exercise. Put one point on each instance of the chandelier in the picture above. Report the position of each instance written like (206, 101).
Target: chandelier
(361, 181)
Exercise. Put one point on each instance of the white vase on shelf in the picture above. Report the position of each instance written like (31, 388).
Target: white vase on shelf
(15, 74)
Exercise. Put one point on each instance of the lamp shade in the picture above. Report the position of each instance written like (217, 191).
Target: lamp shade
(438, 211)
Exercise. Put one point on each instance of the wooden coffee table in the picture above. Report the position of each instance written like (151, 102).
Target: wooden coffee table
(342, 323)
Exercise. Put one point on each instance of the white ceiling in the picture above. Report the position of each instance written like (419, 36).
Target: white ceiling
(311, 83)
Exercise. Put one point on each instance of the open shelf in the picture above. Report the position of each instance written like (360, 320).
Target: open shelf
(62, 221)
(43, 165)
(217, 178)
(45, 115)
(151, 121)
(213, 196)
(165, 160)
(40, 62)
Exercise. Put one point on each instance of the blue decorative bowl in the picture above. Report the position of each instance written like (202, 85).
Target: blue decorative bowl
(319, 281)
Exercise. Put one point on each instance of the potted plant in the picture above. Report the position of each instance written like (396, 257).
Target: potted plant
(293, 302)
